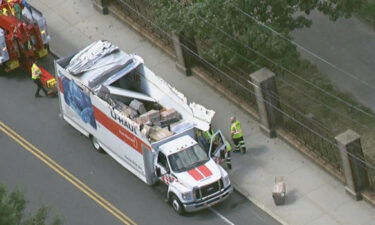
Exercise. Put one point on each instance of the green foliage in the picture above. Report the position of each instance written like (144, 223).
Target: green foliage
(229, 37)
(12, 207)
(367, 12)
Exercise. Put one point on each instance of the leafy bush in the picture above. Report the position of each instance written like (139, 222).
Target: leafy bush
(12, 207)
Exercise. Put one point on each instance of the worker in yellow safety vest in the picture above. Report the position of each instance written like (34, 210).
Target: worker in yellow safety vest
(224, 154)
(237, 135)
(228, 160)
(4, 12)
(35, 76)
(208, 134)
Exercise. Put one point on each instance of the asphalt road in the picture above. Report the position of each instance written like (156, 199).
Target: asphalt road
(37, 120)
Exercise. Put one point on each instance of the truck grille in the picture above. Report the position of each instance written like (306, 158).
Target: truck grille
(209, 189)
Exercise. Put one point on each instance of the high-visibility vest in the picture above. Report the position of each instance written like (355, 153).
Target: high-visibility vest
(5, 12)
(35, 72)
(208, 134)
(228, 146)
(236, 130)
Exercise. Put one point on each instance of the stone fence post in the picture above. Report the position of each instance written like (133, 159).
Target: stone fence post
(268, 100)
(355, 173)
(101, 6)
(185, 49)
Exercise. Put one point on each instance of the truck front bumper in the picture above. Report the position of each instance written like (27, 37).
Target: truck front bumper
(209, 200)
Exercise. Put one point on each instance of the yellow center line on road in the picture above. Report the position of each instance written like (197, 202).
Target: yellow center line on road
(66, 174)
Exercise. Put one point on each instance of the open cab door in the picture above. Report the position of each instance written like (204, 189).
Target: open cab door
(217, 145)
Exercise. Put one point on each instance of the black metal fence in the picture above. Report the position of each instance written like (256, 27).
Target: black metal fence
(311, 133)
(371, 177)
(370, 169)
(232, 79)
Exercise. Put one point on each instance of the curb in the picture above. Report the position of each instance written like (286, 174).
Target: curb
(258, 204)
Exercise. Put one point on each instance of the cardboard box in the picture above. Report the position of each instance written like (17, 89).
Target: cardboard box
(279, 191)
(170, 114)
(151, 116)
(158, 133)
(138, 106)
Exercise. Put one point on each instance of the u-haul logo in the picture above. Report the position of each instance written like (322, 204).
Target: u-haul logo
(123, 122)
(121, 128)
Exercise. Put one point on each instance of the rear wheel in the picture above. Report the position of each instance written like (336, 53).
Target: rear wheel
(95, 143)
(177, 205)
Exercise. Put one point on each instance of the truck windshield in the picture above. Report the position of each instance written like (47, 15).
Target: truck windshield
(188, 159)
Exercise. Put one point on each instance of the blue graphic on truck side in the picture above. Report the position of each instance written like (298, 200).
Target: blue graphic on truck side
(79, 101)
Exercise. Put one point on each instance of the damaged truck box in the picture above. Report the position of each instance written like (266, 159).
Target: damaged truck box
(143, 123)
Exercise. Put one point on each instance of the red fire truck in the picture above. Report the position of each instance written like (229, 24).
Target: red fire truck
(23, 38)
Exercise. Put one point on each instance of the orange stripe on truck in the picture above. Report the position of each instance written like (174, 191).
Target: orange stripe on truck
(118, 130)
(195, 174)
(205, 171)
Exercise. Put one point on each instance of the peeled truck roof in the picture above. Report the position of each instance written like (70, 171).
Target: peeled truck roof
(101, 64)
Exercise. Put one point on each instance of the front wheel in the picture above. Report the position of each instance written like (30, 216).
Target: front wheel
(95, 143)
(177, 205)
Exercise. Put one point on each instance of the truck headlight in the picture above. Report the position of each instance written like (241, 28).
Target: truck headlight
(226, 181)
(187, 196)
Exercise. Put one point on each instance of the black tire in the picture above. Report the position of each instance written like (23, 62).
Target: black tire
(95, 143)
(177, 205)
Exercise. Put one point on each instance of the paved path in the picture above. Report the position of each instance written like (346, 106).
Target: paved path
(350, 45)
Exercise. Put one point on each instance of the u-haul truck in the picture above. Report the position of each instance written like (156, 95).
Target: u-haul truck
(155, 148)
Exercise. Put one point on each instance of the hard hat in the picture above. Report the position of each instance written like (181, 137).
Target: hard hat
(232, 119)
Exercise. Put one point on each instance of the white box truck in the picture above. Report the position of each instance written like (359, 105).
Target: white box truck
(158, 139)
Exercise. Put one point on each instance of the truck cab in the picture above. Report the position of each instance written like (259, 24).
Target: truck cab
(190, 174)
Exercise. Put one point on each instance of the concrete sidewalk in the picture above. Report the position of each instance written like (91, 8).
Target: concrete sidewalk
(314, 197)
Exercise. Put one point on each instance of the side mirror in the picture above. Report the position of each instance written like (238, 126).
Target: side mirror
(157, 171)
